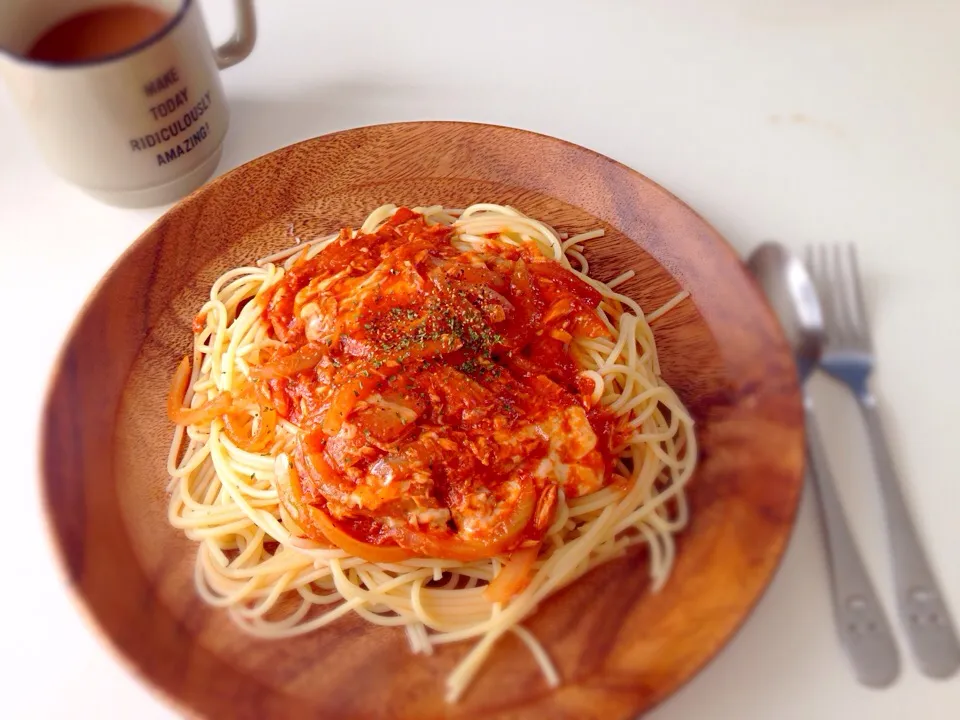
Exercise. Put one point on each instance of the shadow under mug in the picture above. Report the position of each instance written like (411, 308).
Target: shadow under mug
(141, 127)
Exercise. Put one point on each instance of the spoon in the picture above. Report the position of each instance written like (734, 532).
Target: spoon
(861, 622)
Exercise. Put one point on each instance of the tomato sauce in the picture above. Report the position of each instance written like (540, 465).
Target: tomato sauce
(441, 409)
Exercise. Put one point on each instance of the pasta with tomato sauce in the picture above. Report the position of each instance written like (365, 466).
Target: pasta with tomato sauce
(434, 421)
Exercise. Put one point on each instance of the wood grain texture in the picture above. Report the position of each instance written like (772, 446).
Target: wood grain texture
(619, 648)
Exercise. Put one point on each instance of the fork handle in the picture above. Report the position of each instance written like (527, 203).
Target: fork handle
(923, 612)
(861, 622)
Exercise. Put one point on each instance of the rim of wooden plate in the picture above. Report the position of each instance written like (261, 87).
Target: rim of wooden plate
(781, 514)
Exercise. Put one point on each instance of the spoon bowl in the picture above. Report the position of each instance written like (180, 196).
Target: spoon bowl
(793, 297)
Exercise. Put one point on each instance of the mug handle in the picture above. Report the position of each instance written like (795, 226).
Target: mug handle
(241, 42)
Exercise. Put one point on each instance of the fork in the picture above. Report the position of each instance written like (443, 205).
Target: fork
(849, 357)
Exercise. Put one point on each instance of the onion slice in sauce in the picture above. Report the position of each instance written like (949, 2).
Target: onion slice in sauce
(318, 519)
(317, 525)
(346, 398)
(305, 358)
(178, 388)
(514, 575)
(193, 416)
(290, 494)
(251, 440)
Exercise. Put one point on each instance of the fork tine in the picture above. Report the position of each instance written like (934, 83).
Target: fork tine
(859, 305)
(830, 294)
(841, 304)
(819, 272)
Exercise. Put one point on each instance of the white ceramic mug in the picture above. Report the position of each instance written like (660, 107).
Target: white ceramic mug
(142, 127)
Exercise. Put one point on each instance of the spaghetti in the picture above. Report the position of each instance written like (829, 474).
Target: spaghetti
(434, 422)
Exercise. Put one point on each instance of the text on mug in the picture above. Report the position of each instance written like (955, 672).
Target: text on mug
(167, 133)
(169, 105)
(182, 148)
(162, 82)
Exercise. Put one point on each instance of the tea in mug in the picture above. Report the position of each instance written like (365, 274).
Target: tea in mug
(98, 33)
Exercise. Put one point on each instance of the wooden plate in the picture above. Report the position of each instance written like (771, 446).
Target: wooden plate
(619, 648)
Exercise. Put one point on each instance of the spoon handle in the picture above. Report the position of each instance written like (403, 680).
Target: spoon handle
(861, 622)
(923, 612)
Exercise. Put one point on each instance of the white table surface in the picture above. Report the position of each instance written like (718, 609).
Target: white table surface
(802, 120)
